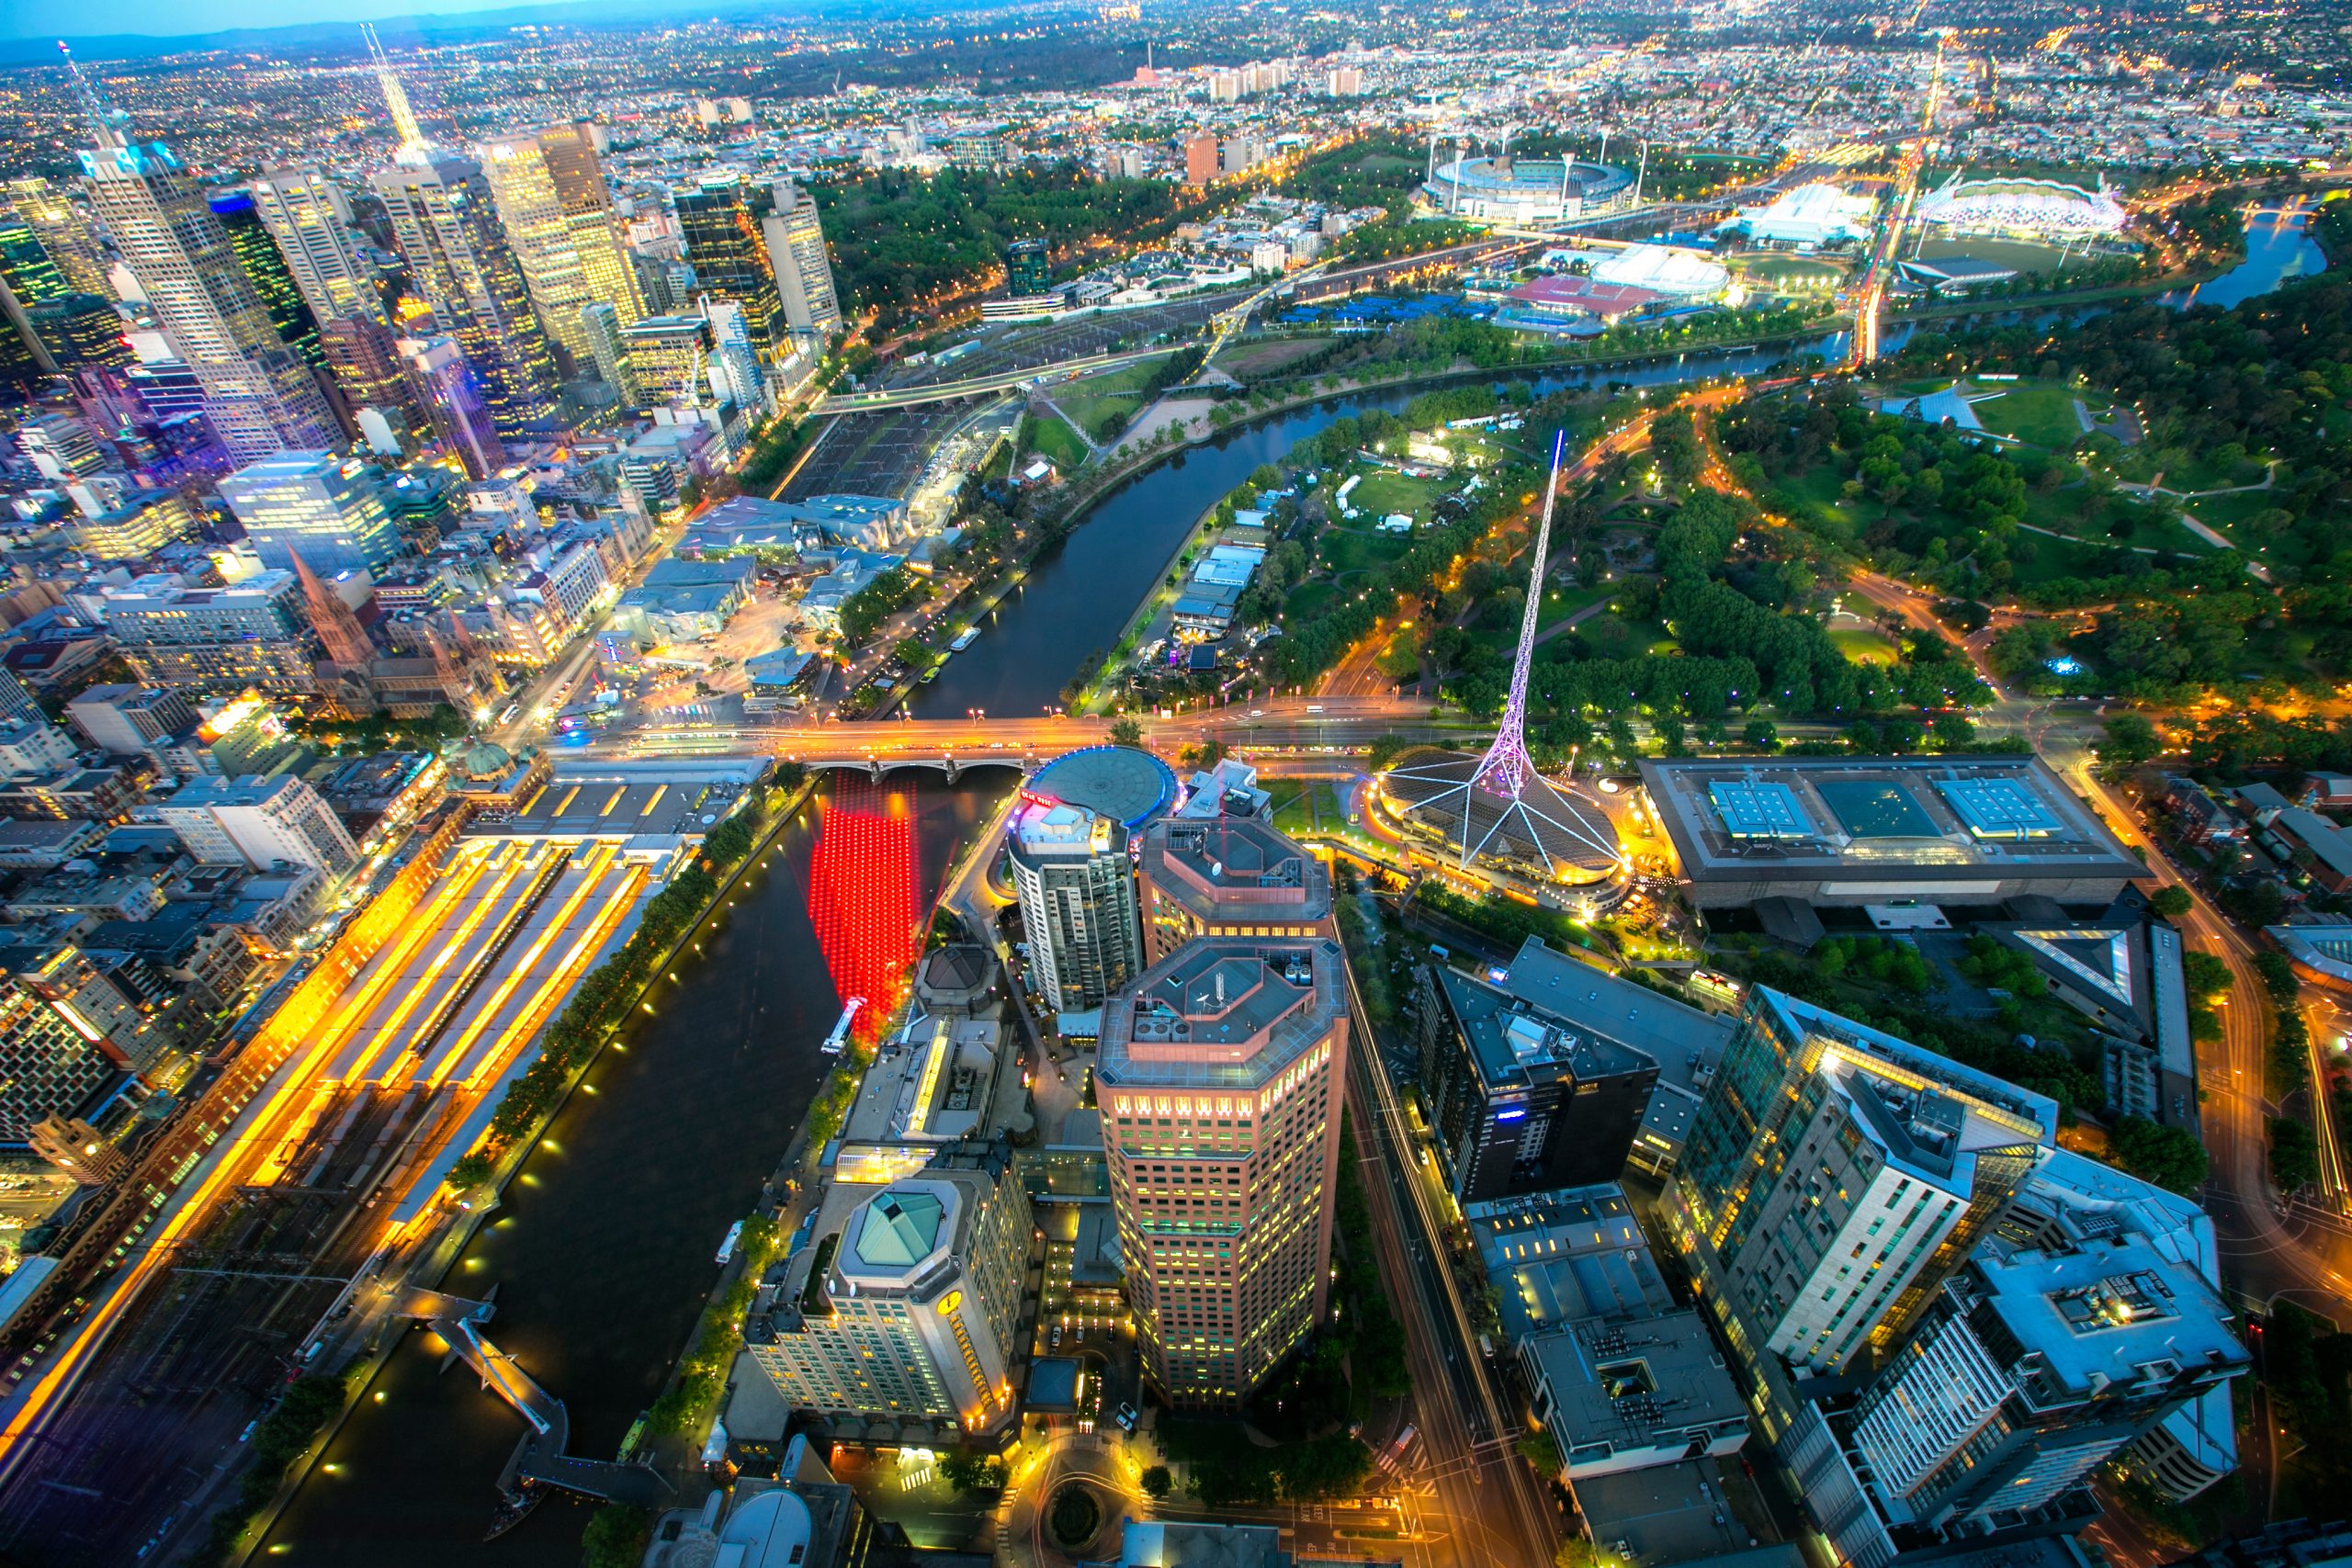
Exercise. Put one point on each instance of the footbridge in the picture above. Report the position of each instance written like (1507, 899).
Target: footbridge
(540, 1457)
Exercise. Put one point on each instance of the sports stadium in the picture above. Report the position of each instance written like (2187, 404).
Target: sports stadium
(2041, 209)
(1504, 189)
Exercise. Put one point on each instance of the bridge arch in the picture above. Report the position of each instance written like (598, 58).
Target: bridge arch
(954, 766)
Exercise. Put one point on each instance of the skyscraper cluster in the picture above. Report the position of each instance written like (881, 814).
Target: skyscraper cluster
(1219, 1073)
(510, 278)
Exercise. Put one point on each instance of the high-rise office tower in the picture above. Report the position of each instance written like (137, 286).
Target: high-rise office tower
(443, 220)
(267, 270)
(804, 272)
(2090, 1316)
(1077, 904)
(735, 366)
(1028, 267)
(1219, 1078)
(1228, 877)
(328, 510)
(720, 217)
(451, 395)
(364, 359)
(600, 325)
(21, 363)
(65, 234)
(27, 277)
(445, 223)
(668, 359)
(79, 330)
(555, 206)
(306, 213)
(1834, 1177)
(258, 394)
(1538, 1076)
(26, 269)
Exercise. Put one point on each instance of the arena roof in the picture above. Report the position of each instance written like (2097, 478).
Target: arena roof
(2018, 206)
(1546, 830)
(1666, 269)
(1884, 819)
(1810, 214)
(1130, 787)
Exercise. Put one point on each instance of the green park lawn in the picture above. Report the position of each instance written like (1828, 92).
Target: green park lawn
(1559, 604)
(2228, 513)
(1305, 807)
(1307, 600)
(1382, 491)
(1342, 551)
(1052, 437)
(2034, 412)
(1267, 357)
(1096, 401)
(1865, 644)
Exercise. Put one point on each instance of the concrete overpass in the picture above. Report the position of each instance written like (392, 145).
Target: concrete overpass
(980, 386)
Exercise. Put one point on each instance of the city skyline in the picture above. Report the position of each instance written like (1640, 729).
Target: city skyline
(1176, 782)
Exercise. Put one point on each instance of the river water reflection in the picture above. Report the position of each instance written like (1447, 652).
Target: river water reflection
(605, 1245)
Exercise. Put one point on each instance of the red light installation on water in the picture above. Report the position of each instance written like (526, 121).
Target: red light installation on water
(862, 897)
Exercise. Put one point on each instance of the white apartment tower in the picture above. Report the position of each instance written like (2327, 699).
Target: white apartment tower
(1078, 905)
(258, 822)
(1835, 1177)
(803, 273)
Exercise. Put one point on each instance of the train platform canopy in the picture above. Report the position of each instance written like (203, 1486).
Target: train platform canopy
(629, 800)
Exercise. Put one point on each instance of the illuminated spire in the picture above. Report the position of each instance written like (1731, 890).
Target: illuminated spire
(1504, 769)
(103, 118)
(395, 96)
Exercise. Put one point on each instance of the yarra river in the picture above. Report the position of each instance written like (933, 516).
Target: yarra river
(604, 1247)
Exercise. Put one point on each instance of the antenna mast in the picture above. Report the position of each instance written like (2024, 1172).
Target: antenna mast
(93, 104)
(395, 96)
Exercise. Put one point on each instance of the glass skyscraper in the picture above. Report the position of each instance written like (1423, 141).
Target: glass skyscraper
(265, 269)
(720, 215)
(552, 201)
(315, 505)
(258, 394)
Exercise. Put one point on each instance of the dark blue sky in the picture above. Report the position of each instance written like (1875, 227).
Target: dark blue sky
(88, 19)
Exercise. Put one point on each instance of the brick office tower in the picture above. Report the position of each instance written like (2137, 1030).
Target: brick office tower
(1220, 1078)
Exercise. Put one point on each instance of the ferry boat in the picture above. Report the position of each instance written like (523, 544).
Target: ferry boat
(964, 639)
(930, 674)
(727, 1248)
(838, 1041)
(514, 1507)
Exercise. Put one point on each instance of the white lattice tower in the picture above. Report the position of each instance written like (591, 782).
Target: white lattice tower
(1504, 769)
